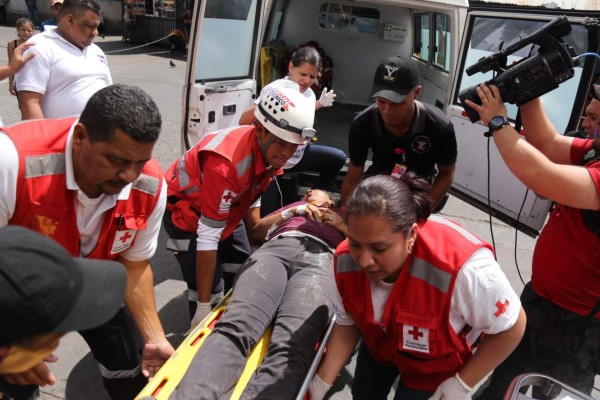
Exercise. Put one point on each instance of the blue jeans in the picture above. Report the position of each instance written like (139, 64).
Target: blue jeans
(373, 380)
(289, 281)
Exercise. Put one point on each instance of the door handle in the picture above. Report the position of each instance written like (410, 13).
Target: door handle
(220, 89)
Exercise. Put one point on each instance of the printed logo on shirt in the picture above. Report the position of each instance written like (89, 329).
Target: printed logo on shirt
(501, 308)
(123, 241)
(46, 225)
(102, 59)
(226, 200)
(421, 144)
(415, 338)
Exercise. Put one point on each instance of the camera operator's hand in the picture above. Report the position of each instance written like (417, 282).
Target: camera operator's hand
(491, 103)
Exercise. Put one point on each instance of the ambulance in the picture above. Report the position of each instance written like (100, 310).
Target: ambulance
(238, 46)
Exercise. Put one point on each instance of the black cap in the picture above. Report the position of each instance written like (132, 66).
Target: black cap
(43, 289)
(395, 78)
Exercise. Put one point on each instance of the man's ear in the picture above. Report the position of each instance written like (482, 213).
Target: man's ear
(80, 135)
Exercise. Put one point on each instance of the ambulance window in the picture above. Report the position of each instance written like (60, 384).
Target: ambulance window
(227, 40)
(432, 39)
(344, 18)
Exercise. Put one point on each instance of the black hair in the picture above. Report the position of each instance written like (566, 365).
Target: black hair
(77, 7)
(402, 201)
(306, 54)
(123, 107)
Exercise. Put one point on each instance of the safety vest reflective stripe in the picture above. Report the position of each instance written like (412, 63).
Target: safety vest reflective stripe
(212, 223)
(49, 164)
(242, 166)
(146, 184)
(465, 233)
(421, 269)
(345, 263)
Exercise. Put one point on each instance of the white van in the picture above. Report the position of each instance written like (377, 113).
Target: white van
(238, 46)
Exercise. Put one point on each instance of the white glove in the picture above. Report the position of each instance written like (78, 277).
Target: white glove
(202, 310)
(453, 389)
(317, 389)
(326, 98)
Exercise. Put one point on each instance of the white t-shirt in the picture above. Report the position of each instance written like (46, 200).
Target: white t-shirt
(309, 94)
(479, 285)
(65, 75)
(90, 212)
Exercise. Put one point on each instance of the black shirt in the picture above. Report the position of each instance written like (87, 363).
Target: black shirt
(430, 141)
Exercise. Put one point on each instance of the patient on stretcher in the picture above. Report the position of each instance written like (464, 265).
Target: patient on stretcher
(287, 282)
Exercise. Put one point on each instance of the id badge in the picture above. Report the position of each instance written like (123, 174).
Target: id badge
(399, 170)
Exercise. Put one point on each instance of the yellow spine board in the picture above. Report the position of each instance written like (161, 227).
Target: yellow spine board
(168, 377)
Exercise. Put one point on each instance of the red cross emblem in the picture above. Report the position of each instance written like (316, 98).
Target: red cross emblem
(228, 197)
(501, 308)
(125, 237)
(415, 333)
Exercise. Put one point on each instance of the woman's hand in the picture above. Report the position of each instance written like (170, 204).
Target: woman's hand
(332, 218)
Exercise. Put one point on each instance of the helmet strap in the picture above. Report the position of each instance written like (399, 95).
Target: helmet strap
(265, 147)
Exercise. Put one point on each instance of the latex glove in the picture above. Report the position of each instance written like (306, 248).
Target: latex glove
(317, 388)
(453, 389)
(202, 310)
(154, 355)
(326, 98)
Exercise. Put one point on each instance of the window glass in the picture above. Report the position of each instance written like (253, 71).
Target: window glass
(345, 18)
(489, 35)
(421, 35)
(442, 42)
(227, 39)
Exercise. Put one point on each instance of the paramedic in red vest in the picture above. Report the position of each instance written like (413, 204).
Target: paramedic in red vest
(91, 185)
(420, 291)
(218, 182)
(562, 300)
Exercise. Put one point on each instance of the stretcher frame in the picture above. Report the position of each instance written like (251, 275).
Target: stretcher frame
(547, 384)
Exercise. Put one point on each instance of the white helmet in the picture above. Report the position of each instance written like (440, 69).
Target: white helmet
(287, 114)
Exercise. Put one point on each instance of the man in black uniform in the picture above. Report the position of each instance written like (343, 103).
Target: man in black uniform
(402, 133)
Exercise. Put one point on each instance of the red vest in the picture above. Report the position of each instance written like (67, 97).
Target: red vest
(239, 148)
(414, 332)
(46, 206)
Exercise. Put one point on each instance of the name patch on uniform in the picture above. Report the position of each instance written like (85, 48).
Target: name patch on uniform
(123, 240)
(226, 200)
(415, 338)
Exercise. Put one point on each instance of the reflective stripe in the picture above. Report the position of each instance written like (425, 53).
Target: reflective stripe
(147, 184)
(243, 165)
(190, 190)
(423, 270)
(184, 178)
(467, 235)
(212, 223)
(345, 263)
(108, 374)
(219, 137)
(50, 164)
(178, 244)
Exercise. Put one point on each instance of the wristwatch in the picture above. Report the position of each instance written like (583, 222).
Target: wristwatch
(497, 122)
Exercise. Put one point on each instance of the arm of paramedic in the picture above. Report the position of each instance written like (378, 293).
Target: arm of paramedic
(340, 346)
(566, 184)
(29, 103)
(251, 219)
(492, 351)
(139, 298)
(350, 182)
(248, 117)
(441, 183)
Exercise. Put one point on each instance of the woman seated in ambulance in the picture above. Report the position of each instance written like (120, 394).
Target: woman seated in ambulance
(420, 291)
(304, 68)
(288, 280)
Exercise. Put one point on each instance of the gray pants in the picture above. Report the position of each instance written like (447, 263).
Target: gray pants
(288, 280)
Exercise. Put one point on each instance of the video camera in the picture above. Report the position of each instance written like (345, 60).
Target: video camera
(532, 76)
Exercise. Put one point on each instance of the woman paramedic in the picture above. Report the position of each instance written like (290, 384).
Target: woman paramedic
(420, 291)
(304, 68)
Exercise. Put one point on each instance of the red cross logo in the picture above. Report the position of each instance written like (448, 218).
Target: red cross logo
(228, 197)
(415, 333)
(125, 237)
(501, 308)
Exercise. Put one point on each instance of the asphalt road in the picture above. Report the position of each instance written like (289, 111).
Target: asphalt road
(149, 68)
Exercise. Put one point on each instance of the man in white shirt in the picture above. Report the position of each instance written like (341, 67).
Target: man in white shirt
(68, 68)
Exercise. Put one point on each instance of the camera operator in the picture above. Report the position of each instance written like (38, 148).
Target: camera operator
(562, 300)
